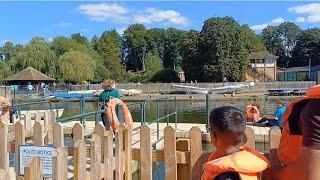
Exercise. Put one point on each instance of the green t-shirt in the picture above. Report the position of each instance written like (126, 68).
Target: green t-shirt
(107, 94)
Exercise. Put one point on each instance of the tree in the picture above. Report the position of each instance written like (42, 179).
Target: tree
(158, 37)
(222, 50)
(109, 47)
(4, 70)
(137, 44)
(8, 51)
(37, 54)
(153, 65)
(80, 39)
(171, 57)
(189, 50)
(77, 66)
(307, 47)
(166, 75)
(252, 42)
(280, 40)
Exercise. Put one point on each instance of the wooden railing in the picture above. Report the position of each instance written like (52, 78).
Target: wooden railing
(109, 155)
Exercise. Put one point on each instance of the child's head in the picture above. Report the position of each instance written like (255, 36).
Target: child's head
(227, 126)
(107, 84)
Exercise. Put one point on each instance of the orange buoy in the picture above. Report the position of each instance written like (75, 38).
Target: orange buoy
(111, 114)
(4, 102)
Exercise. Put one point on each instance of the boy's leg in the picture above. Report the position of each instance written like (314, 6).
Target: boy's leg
(105, 120)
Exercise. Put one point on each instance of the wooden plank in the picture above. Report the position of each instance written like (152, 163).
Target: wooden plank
(58, 136)
(4, 175)
(251, 138)
(60, 164)
(274, 140)
(108, 155)
(38, 116)
(145, 153)
(33, 169)
(195, 152)
(27, 121)
(77, 132)
(183, 169)
(119, 152)
(128, 152)
(19, 139)
(95, 157)
(100, 130)
(38, 138)
(79, 160)
(170, 157)
(4, 146)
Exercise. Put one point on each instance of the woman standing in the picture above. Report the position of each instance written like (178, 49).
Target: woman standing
(109, 92)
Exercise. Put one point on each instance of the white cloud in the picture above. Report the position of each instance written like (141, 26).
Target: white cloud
(64, 24)
(121, 30)
(152, 15)
(300, 20)
(311, 10)
(274, 22)
(50, 39)
(104, 11)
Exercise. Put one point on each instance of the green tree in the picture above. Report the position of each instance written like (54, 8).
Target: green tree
(171, 57)
(222, 50)
(4, 70)
(37, 54)
(80, 39)
(153, 64)
(307, 47)
(252, 42)
(7, 51)
(77, 66)
(189, 50)
(137, 44)
(166, 75)
(158, 37)
(109, 47)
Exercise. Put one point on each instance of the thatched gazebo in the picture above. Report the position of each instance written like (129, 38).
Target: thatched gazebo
(28, 75)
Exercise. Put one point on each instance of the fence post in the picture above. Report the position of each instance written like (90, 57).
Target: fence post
(33, 169)
(80, 160)
(274, 140)
(108, 155)
(195, 152)
(128, 152)
(95, 157)
(4, 146)
(170, 157)
(145, 153)
(77, 132)
(251, 138)
(60, 164)
(27, 121)
(38, 138)
(100, 130)
(38, 116)
(19, 136)
(119, 152)
(58, 136)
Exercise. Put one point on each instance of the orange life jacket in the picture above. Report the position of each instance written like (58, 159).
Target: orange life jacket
(110, 112)
(248, 163)
(290, 145)
(253, 116)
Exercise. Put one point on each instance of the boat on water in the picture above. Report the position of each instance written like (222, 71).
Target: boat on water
(219, 90)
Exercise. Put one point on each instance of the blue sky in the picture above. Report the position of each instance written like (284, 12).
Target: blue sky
(20, 21)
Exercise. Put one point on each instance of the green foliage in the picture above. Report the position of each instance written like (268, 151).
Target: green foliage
(171, 56)
(80, 39)
(153, 65)
(4, 70)
(77, 66)
(166, 75)
(252, 42)
(222, 50)
(307, 47)
(7, 52)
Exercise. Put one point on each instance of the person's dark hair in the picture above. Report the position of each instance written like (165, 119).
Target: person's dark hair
(256, 105)
(229, 121)
(228, 176)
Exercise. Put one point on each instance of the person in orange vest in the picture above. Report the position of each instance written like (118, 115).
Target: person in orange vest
(231, 160)
(299, 147)
(253, 113)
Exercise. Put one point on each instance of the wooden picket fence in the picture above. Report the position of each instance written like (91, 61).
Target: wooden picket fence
(109, 155)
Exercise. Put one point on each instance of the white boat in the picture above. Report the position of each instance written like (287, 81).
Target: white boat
(42, 112)
(130, 92)
(229, 89)
(190, 89)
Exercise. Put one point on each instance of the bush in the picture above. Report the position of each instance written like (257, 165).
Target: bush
(166, 76)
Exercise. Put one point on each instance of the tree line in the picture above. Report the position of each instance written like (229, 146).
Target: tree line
(220, 50)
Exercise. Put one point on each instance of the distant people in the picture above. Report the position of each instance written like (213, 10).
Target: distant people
(231, 160)
(253, 113)
(277, 118)
(299, 148)
(109, 92)
(30, 89)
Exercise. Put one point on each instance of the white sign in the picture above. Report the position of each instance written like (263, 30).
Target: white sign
(44, 152)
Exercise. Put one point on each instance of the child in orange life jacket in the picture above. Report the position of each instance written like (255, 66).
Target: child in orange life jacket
(231, 160)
